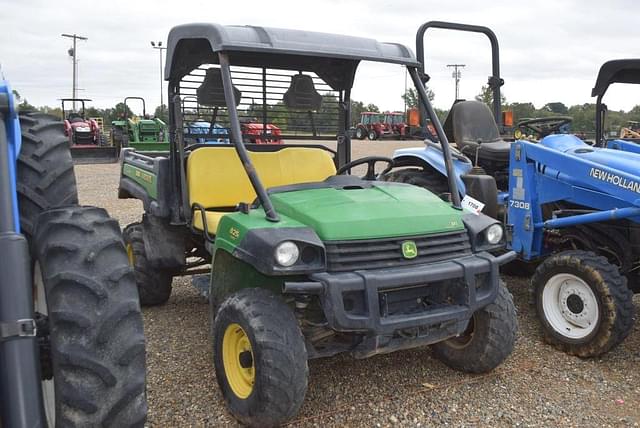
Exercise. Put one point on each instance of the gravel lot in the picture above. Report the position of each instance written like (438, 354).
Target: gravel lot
(537, 386)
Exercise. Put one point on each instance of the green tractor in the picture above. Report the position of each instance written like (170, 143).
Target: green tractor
(304, 259)
(142, 133)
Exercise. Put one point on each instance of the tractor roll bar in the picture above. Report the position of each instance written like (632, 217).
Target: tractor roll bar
(494, 80)
(236, 138)
(444, 142)
(144, 106)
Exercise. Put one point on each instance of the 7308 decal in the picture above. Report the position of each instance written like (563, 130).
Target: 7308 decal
(519, 204)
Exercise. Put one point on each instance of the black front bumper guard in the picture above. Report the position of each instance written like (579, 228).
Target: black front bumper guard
(386, 333)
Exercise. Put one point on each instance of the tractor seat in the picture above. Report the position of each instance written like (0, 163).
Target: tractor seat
(472, 121)
(302, 94)
(217, 181)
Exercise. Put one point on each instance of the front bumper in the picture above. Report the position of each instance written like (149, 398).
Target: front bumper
(408, 306)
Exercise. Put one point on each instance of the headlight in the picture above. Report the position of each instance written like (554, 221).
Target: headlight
(83, 129)
(287, 253)
(494, 234)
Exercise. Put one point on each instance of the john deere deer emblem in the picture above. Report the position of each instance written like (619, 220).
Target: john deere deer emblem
(409, 250)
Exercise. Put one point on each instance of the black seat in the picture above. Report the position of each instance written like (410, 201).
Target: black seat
(472, 124)
(211, 92)
(302, 94)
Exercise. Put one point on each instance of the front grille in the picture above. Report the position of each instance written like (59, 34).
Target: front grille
(387, 252)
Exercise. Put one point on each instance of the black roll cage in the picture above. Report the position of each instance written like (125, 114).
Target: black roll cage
(494, 82)
(224, 59)
(614, 71)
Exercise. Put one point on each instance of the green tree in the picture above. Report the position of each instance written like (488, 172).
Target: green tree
(486, 96)
(522, 111)
(162, 113)
(372, 107)
(411, 97)
(556, 107)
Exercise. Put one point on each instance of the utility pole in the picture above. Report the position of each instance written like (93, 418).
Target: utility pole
(456, 75)
(73, 54)
(158, 45)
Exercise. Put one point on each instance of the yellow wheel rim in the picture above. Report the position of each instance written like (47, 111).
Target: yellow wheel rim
(132, 258)
(517, 134)
(237, 358)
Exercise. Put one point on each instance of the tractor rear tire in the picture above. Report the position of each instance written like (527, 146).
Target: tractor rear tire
(94, 365)
(260, 358)
(361, 133)
(154, 285)
(45, 176)
(579, 287)
(488, 341)
(431, 180)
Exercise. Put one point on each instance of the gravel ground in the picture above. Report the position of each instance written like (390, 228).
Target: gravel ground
(537, 386)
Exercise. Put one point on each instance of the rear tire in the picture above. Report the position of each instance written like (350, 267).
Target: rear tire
(583, 303)
(488, 341)
(45, 176)
(154, 285)
(85, 287)
(431, 180)
(260, 358)
(361, 133)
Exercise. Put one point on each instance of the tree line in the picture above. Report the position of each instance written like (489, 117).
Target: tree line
(325, 120)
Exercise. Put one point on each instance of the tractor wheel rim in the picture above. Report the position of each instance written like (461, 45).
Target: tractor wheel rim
(130, 255)
(238, 362)
(47, 385)
(462, 341)
(570, 306)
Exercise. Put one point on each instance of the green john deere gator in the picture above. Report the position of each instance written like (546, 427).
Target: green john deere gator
(145, 134)
(306, 260)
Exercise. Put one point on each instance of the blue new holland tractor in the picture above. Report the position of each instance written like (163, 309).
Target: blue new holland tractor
(572, 211)
(72, 350)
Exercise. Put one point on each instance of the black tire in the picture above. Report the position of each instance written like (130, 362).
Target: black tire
(97, 348)
(277, 355)
(154, 285)
(361, 133)
(613, 300)
(431, 180)
(45, 176)
(488, 341)
(372, 135)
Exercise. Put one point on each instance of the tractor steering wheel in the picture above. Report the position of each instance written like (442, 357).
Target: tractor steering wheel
(371, 163)
(544, 126)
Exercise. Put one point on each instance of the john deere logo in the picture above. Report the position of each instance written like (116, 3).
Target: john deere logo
(409, 250)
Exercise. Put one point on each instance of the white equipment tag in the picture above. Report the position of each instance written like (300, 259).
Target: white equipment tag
(471, 205)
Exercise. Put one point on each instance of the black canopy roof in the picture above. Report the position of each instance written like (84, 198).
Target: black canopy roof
(190, 45)
(616, 71)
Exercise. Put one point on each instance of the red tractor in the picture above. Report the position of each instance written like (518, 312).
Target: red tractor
(80, 130)
(375, 125)
(252, 133)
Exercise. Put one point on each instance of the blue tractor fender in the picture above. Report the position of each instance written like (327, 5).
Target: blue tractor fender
(14, 138)
(430, 157)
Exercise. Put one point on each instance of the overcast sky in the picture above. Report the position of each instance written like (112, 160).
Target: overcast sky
(550, 50)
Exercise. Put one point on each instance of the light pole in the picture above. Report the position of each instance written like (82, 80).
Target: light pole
(72, 53)
(158, 45)
(456, 75)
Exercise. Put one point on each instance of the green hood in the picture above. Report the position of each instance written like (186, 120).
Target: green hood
(383, 210)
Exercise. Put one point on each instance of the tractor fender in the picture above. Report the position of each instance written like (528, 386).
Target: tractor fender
(431, 158)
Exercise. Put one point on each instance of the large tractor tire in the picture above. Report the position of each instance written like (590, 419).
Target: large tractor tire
(154, 285)
(583, 303)
(71, 270)
(428, 179)
(45, 176)
(361, 132)
(260, 358)
(90, 327)
(488, 340)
